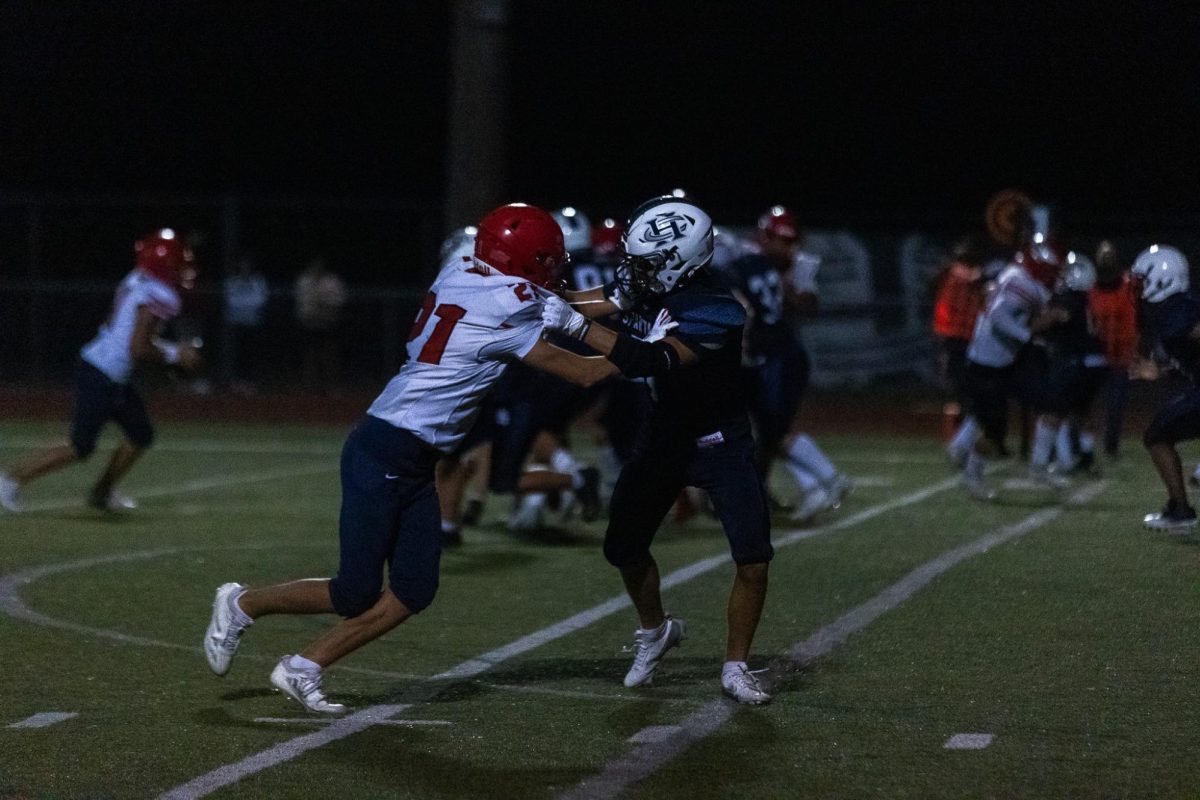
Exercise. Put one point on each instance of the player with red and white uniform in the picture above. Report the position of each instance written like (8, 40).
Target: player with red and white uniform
(145, 300)
(476, 319)
(1014, 314)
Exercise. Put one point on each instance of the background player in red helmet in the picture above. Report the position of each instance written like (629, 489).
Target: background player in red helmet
(145, 300)
(477, 318)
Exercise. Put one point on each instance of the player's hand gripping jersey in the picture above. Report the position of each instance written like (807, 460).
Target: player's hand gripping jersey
(1003, 327)
(109, 351)
(473, 322)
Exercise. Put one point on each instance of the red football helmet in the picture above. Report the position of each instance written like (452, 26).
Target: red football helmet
(607, 246)
(165, 256)
(779, 223)
(1043, 259)
(523, 241)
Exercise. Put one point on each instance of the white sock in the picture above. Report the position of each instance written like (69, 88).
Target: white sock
(1087, 443)
(1064, 453)
(576, 480)
(975, 465)
(965, 436)
(659, 631)
(562, 461)
(300, 662)
(803, 478)
(448, 526)
(734, 666)
(805, 453)
(239, 616)
(1043, 443)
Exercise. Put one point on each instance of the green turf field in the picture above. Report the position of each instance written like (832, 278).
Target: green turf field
(1074, 643)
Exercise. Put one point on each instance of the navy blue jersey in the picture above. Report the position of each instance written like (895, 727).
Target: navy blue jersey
(1173, 320)
(1076, 337)
(707, 396)
(583, 273)
(759, 281)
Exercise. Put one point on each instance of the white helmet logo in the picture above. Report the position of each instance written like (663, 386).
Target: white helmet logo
(666, 227)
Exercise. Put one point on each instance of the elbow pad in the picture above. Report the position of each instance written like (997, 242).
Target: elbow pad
(638, 359)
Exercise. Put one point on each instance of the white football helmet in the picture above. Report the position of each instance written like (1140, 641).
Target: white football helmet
(666, 240)
(577, 231)
(1079, 274)
(1163, 271)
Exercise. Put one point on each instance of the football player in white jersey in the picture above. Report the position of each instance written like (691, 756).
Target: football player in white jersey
(1015, 312)
(145, 300)
(475, 321)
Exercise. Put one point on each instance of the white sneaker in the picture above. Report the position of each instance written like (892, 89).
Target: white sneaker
(650, 646)
(1044, 476)
(814, 503)
(303, 686)
(740, 684)
(10, 495)
(224, 630)
(977, 487)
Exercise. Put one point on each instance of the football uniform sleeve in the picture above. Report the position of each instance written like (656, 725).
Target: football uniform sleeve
(162, 301)
(516, 336)
(707, 329)
(803, 273)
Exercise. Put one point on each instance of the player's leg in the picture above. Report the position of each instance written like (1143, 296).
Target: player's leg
(988, 389)
(95, 397)
(740, 502)
(1177, 421)
(1118, 391)
(130, 414)
(645, 491)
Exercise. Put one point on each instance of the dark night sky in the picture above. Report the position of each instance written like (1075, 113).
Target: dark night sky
(841, 109)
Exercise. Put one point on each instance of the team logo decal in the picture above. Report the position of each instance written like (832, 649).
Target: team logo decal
(666, 227)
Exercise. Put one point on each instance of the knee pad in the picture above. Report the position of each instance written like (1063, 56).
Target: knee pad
(351, 602)
(416, 598)
(83, 449)
(624, 553)
(142, 439)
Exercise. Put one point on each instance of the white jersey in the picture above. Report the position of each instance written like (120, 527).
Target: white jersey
(1003, 327)
(473, 323)
(109, 351)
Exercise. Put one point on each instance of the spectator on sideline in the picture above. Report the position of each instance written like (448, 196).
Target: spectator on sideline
(246, 296)
(1113, 303)
(320, 297)
(959, 301)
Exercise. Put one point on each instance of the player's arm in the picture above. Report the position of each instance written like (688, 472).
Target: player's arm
(601, 301)
(581, 370)
(146, 347)
(658, 354)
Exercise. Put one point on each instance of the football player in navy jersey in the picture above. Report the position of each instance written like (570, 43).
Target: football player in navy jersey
(1173, 315)
(777, 364)
(679, 326)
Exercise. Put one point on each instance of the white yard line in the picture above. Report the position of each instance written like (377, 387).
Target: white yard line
(648, 758)
(228, 774)
(196, 446)
(969, 741)
(198, 485)
(45, 719)
(402, 723)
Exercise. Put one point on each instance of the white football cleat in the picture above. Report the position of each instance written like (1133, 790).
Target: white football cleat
(1049, 479)
(303, 686)
(839, 489)
(1169, 520)
(814, 503)
(114, 501)
(739, 683)
(10, 495)
(650, 646)
(224, 629)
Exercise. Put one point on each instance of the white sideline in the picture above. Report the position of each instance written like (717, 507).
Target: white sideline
(198, 485)
(641, 762)
(228, 774)
(45, 719)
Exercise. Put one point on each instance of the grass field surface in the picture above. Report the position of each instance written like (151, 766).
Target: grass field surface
(1070, 639)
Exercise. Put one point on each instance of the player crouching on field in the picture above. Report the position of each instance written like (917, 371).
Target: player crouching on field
(145, 300)
(1173, 315)
(476, 319)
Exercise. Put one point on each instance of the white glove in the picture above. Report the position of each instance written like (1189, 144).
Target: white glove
(557, 315)
(662, 325)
